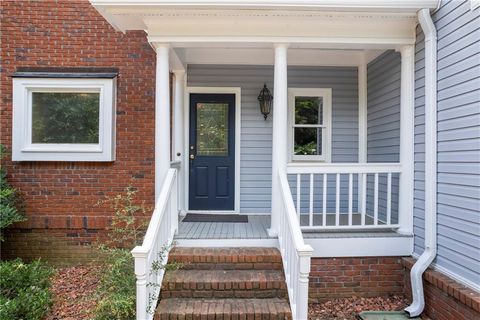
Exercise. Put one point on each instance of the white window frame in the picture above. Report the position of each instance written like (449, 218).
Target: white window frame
(22, 147)
(326, 94)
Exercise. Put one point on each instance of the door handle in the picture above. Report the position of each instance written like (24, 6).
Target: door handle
(192, 157)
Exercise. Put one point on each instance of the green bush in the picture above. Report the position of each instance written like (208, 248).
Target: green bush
(24, 290)
(116, 292)
(10, 203)
(117, 286)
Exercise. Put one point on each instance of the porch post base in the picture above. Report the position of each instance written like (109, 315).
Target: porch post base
(272, 233)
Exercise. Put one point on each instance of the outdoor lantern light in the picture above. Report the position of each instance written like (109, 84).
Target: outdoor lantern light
(265, 99)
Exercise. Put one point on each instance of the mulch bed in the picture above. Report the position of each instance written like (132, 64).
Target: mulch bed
(73, 290)
(347, 309)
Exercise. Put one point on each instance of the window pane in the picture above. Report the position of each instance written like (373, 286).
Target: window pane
(212, 129)
(308, 141)
(308, 110)
(59, 117)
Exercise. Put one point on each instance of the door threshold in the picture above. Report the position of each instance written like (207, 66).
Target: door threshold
(212, 211)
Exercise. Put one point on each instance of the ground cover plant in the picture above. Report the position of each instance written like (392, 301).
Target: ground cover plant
(11, 206)
(24, 290)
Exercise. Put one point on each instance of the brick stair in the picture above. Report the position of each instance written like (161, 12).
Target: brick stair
(224, 283)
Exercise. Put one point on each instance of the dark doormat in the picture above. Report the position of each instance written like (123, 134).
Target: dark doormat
(196, 217)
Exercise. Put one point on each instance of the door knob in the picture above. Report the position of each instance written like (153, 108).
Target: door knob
(192, 157)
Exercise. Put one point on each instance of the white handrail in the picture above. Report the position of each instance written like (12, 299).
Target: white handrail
(160, 233)
(295, 253)
(301, 168)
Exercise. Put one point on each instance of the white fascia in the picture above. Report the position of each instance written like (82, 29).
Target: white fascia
(344, 5)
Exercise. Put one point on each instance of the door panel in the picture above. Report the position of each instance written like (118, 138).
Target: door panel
(212, 152)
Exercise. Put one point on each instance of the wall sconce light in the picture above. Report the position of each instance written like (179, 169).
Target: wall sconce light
(265, 99)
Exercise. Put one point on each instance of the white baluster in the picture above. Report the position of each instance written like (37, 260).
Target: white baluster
(375, 201)
(337, 200)
(324, 200)
(389, 198)
(364, 198)
(350, 198)
(299, 186)
(311, 200)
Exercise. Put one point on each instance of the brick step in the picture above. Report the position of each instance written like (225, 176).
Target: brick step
(224, 284)
(227, 258)
(223, 309)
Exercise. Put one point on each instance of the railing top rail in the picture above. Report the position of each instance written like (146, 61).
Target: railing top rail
(297, 235)
(158, 212)
(296, 168)
(175, 164)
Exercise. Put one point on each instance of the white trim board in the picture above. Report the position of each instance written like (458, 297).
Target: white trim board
(238, 107)
(264, 56)
(360, 246)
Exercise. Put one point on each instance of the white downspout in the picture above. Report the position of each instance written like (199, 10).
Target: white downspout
(418, 303)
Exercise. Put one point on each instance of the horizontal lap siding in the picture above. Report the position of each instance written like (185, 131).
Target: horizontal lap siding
(256, 134)
(383, 122)
(458, 128)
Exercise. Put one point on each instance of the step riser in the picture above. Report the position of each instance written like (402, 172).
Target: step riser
(254, 309)
(258, 294)
(187, 265)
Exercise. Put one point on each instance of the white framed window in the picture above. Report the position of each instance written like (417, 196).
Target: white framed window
(63, 119)
(310, 124)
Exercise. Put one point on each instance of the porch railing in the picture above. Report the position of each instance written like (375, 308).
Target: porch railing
(295, 253)
(159, 235)
(346, 196)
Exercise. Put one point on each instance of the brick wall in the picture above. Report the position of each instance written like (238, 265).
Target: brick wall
(361, 277)
(445, 299)
(61, 195)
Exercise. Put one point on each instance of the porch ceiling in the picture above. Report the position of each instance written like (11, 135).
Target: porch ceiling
(302, 23)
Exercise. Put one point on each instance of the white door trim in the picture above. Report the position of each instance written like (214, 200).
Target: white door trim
(237, 91)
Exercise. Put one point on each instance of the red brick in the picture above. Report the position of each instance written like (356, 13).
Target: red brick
(59, 195)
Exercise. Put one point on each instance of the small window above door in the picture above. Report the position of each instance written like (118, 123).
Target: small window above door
(310, 124)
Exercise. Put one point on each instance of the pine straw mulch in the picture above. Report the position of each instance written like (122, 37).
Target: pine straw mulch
(73, 290)
(348, 308)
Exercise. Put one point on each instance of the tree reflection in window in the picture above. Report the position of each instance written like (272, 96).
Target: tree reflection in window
(212, 129)
(308, 126)
(65, 117)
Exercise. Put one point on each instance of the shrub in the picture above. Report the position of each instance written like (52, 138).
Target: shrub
(117, 279)
(11, 206)
(24, 290)
(116, 292)
(117, 286)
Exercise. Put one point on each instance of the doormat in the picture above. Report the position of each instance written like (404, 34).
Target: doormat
(385, 315)
(235, 218)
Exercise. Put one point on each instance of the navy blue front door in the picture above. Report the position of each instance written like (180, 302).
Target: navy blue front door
(212, 152)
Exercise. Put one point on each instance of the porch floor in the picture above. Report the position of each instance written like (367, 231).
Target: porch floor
(257, 226)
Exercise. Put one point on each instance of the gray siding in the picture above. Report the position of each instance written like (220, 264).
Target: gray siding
(458, 185)
(383, 125)
(256, 134)
(384, 108)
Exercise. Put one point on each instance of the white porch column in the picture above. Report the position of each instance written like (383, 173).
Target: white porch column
(162, 117)
(407, 117)
(178, 132)
(279, 132)
(362, 124)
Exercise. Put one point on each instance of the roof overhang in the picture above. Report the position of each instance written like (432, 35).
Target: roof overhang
(307, 23)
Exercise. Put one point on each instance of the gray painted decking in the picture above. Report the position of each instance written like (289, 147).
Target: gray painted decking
(257, 226)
